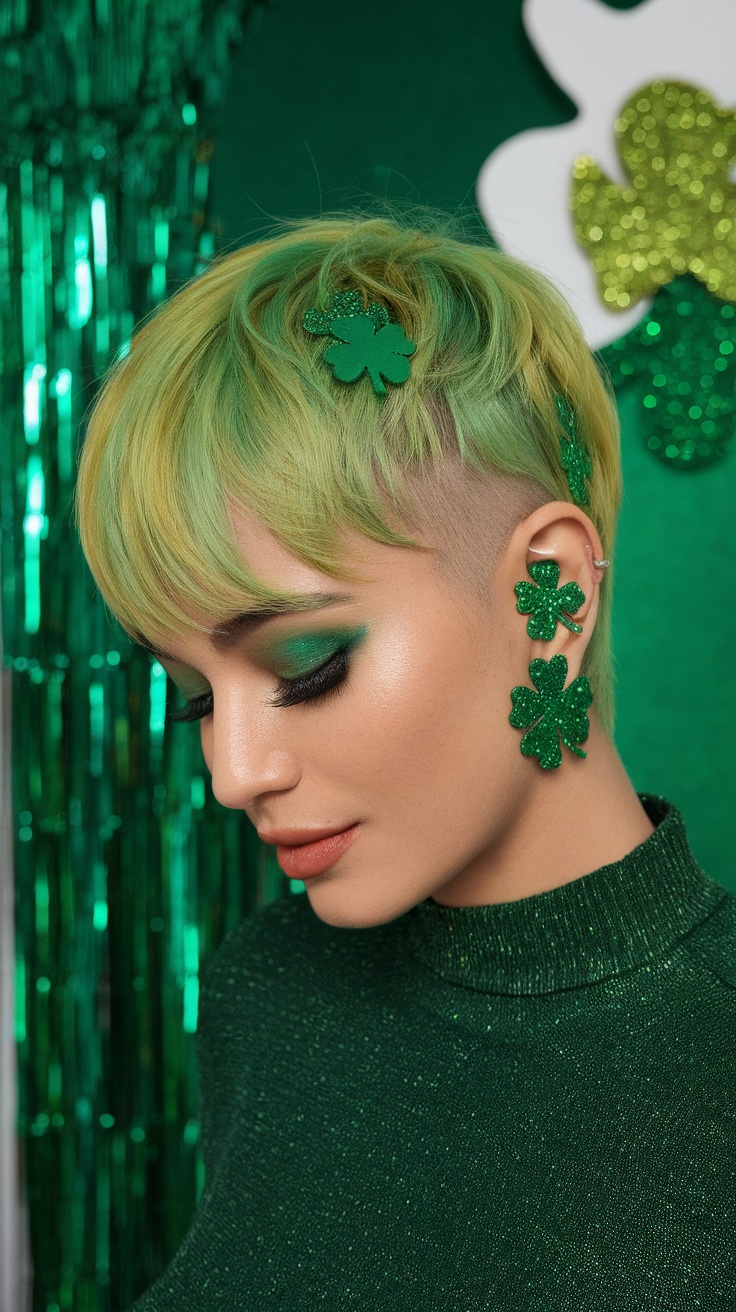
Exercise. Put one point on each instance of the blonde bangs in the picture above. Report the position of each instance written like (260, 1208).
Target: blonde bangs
(225, 400)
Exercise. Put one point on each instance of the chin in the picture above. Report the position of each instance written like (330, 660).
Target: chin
(340, 906)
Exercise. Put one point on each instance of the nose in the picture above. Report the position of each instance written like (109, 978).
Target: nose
(245, 761)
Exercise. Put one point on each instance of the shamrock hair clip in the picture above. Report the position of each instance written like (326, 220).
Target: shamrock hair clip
(574, 454)
(366, 340)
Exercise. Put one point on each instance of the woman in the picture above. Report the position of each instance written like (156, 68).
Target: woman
(356, 487)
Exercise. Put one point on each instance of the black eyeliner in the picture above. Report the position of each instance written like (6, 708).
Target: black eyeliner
(316, 684)
(290, 692)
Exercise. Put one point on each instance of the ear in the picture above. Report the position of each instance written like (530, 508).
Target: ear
(559, 532)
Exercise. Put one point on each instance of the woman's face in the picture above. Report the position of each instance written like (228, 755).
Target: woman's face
(414, 743)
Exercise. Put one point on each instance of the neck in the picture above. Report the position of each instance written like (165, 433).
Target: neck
(575, 819)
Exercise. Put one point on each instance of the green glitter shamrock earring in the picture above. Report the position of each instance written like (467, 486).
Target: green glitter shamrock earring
(574, 454)
(367, 340)
(546, 603)
(551, 713)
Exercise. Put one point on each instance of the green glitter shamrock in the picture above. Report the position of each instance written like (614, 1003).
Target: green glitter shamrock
(574, 456)
(545, 602)
(553, 711)
(679, 362)
(367, 340)
(343, 305)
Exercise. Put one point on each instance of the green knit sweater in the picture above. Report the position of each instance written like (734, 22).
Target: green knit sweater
(523, 1107)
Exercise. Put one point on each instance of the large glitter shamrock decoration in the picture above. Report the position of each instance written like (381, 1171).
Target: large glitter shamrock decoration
(681, 362)
(546, 603)
(574, 454)
(553, 711)
(678, 213)
(368, 341)
(671, 231)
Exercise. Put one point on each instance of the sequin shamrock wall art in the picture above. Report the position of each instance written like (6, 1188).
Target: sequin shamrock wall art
(630, 207)
(677, 216)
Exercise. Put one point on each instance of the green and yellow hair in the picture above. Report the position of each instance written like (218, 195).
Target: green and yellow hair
(225, 400)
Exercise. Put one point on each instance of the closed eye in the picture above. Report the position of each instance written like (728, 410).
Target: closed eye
(196, 709)
(315, 686)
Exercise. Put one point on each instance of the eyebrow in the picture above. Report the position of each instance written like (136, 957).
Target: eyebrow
(225, 635)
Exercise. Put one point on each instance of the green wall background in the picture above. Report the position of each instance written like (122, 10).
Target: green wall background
(330, 106)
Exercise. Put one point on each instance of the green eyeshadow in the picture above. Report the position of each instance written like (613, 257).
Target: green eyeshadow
(302, 652)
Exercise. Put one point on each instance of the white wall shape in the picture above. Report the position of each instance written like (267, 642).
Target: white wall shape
(599, 57)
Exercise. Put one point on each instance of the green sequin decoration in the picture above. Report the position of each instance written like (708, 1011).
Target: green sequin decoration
(574, 454)
(675, 223)
(681, 362)
(678, 213)
(553, 711)
(546, 603)
(367, 341)
(344, 305)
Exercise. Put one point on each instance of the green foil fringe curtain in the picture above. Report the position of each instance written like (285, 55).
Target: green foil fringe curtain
(127, 874)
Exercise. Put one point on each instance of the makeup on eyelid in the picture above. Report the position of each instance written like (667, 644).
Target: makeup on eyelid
(300, 653)
(297, 655)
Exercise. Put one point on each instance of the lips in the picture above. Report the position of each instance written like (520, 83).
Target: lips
(295, 837)
(301, 860)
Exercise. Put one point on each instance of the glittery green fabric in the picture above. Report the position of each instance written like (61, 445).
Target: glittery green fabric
(522, 1107)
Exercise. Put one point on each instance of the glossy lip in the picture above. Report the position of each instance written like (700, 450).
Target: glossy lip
(302, 860)
(296, 837)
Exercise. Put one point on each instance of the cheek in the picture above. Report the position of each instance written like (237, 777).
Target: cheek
(414, 725)
(431, 758)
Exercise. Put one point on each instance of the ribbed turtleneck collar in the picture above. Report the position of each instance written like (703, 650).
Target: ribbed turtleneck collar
(606, 922)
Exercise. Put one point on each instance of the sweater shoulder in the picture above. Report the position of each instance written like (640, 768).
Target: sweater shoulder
(286, 938)
(269, 931)
(712, 943)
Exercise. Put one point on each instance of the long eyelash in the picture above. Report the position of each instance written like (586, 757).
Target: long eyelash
(195, 709)
(314, 687)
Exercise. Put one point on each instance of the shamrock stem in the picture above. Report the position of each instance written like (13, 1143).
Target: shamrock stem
(570, 624)
(378, 385)
(576, 750)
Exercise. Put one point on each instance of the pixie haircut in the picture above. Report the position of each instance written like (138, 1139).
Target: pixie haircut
(225, 401)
